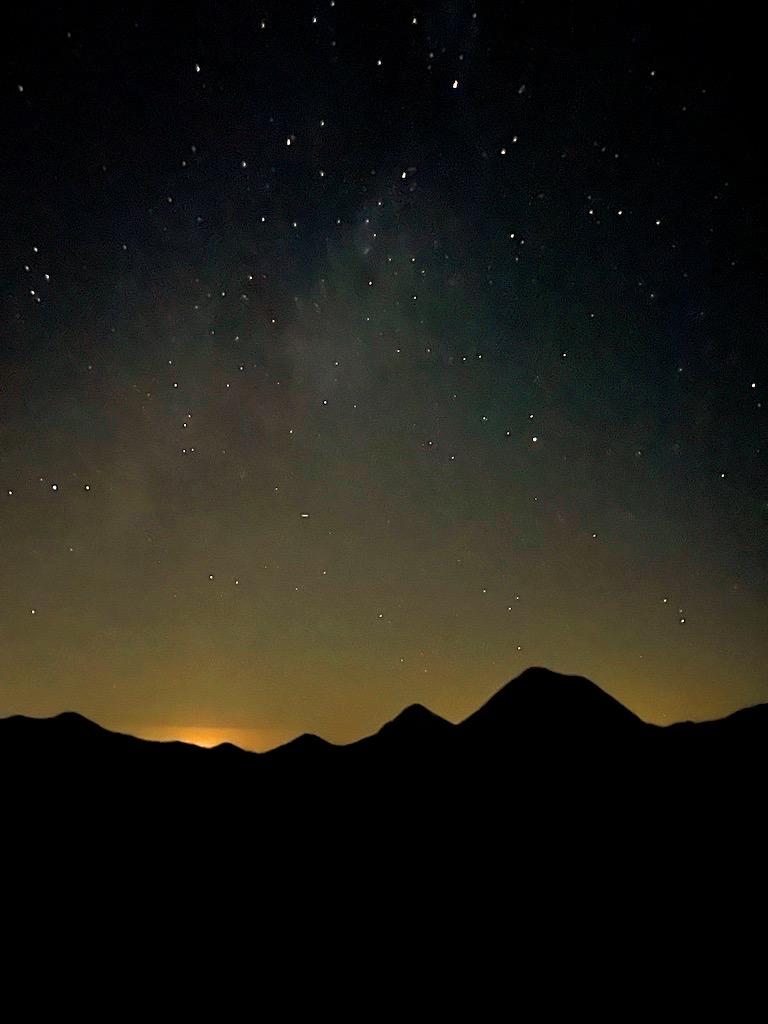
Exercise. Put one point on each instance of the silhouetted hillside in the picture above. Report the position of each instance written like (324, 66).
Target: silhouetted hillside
(550, 815)
(548, 702)
(566, 723)
(415, 722)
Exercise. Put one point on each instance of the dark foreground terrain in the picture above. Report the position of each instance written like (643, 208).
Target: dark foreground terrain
(552, 846)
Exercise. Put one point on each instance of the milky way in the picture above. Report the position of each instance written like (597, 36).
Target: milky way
(357, 355)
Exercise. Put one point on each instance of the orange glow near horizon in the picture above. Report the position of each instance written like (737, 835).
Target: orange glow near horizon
(257, 740)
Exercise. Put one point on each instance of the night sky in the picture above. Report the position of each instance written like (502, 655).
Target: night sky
(353, 355)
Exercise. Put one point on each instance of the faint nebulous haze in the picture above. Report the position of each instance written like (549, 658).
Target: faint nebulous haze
(352, 359)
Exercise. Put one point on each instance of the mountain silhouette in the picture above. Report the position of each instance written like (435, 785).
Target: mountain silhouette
(536, 710)
(550, 817)
(305, 745)
(415, 722)
(554, 721)
(541, 699)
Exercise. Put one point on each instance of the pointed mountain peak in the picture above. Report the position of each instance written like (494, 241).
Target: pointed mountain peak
(306, 745)
(74, 720)
(414, 726)
(229, 749)
(541, 697)
(415, 717)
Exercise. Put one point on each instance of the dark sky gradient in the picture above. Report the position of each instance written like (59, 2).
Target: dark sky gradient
(360, 354)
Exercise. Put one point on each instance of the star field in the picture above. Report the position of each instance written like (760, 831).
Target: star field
(352, 358)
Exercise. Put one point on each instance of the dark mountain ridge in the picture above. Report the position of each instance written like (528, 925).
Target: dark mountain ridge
(550, 809)
(540, 698)
(415, 720)
(544, 739)
(537, 707)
